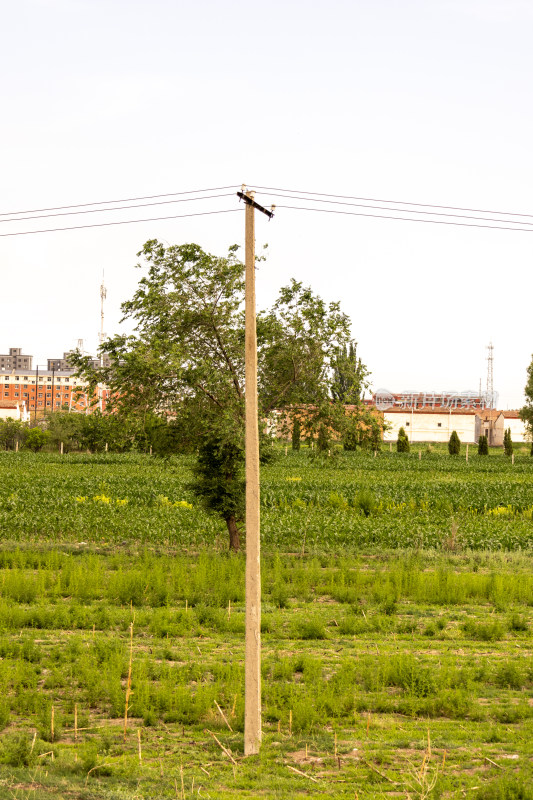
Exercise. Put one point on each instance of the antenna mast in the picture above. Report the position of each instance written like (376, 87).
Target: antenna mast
(103, 295)
(490, 375)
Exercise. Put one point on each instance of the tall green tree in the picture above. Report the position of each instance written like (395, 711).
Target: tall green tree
(483, 446)
(349, 375)
(454, 444)
(185, 358)
(296, 433)
(526, 412)
(11, 432)
(508, 443)
(402, 442)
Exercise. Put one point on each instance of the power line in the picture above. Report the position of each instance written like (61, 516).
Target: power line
(123, 222)
(396, 202)
(405, 219)
(387, 208)
(123, 200)
(118, 208)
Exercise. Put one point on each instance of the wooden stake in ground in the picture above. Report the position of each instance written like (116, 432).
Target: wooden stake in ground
(128, 684)
(252, 667)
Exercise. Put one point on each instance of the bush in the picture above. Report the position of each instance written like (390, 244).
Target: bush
(36, 439)
(454, 445)
(483, 446)
(402, 443)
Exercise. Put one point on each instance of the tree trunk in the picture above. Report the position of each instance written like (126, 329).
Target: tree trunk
(234, 534)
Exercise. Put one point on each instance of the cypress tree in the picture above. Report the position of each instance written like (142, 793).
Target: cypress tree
(483, 446)
(508, 443)
(323, 439)
(296, 433)
(402, 443)
(454, 445)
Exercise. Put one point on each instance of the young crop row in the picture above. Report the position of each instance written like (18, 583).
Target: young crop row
(389, 501)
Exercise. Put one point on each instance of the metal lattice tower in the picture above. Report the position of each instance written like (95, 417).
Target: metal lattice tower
(490, 376)
(103, 295)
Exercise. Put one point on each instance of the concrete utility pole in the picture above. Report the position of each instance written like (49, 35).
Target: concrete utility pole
(252, 664)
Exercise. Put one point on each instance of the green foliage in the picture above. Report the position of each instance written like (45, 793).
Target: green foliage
(454, 445)
(187, 353)
(508, 443)
(526, 412)
(296, 433)
(219, 483)
(96, 431)
(349, 376)
(351, 436)
(323, 441)
(35, 439)
(402, 442)
(11, 432)
(483, 446)
(507, 787)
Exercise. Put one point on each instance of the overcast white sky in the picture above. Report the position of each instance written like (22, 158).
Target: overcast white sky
(419, 100)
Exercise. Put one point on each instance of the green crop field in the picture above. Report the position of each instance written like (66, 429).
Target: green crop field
(396, 628)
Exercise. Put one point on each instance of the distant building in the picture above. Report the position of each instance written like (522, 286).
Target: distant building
(50, 390)
(15, 360)
(65, 365)
(9, 409)
(436, 425)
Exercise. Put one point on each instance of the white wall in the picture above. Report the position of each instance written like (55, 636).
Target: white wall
(421, 427)
(518, 429)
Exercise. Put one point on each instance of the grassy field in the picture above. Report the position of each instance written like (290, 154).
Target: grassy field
(397, 630)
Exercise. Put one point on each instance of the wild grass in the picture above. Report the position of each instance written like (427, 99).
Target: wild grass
(360, 650)
(396, 600)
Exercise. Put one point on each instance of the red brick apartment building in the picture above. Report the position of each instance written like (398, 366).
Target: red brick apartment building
(47, 389)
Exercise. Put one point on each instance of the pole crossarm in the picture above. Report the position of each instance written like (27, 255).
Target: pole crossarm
(251, 202)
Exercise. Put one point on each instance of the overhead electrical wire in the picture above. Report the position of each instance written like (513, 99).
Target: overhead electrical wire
(387, 208)
(123, 200)
(123, 222)
(394, 202)
(117, 208)
(442, 217)
(405, 219)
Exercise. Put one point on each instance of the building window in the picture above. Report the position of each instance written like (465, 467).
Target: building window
(16, 394)
(406, 424)
(40, 394)
(439, 424)
(25, 394)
